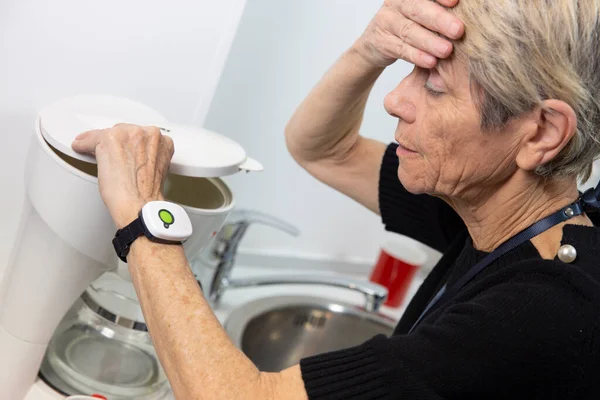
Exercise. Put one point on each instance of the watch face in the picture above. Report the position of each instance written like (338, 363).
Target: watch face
(167, 221)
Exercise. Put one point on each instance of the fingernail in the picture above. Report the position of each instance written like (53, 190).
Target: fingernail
(454, 28)
(442, 48)
(429, 60)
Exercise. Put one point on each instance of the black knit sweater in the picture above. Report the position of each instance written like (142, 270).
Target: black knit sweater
(524, 328)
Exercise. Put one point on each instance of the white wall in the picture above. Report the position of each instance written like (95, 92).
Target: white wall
(281, 50)
(166, 54)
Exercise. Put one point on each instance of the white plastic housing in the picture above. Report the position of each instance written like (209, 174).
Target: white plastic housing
(64, 242)
(166, 221)
(41, 391)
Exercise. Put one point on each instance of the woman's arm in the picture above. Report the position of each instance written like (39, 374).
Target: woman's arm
(194, 349)
(323, 134)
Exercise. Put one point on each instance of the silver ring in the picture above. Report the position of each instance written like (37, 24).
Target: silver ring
(104, 313)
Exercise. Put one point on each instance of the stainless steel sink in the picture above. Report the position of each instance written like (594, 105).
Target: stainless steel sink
(276, 332)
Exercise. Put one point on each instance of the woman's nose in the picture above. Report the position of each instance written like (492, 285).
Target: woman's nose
(398, 105)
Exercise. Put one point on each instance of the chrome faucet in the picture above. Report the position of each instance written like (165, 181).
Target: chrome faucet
(374, 294)
(225, 248)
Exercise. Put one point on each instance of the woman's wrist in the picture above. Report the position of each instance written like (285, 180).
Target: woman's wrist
(360, 59)
(130, 210)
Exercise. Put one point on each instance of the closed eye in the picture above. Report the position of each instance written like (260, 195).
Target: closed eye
(435, 84)
(431, 90)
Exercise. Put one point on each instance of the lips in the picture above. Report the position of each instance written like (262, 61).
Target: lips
(405, 147)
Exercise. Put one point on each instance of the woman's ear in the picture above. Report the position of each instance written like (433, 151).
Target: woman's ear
(556, 125)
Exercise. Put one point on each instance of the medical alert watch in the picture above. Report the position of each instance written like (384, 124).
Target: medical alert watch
(159, 221)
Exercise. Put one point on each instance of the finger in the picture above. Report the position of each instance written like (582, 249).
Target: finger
(448, 3)
(87, 142)
(166, 154)
(163, 142)
(432, 16)
(166, 151)
(422, 38)
(169, 145)
(153, 138)
(399, 49)
(161, 129)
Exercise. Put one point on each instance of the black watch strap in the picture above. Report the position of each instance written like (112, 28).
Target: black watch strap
(126, 236)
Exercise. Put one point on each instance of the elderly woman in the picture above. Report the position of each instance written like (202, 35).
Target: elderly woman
(494, 130)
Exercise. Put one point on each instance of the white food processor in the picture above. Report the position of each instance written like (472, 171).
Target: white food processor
(64, 284)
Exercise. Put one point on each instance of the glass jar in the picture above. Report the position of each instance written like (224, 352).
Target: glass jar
(95, 351)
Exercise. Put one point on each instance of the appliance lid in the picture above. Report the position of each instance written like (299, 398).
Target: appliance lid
(198, 152)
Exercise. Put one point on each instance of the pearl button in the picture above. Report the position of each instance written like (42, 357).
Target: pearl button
(567, 253)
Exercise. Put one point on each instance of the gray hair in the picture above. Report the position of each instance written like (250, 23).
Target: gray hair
(522, 52)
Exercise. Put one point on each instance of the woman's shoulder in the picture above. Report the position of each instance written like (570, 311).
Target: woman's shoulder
(582, 274)
(579, 277)
(545, 281)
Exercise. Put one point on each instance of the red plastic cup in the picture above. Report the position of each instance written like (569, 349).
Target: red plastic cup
(396, 267)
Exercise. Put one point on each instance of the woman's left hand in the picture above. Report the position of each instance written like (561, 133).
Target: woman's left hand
(133, 162)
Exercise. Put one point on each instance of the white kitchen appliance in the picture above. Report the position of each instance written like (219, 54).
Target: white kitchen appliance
(64, 239)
